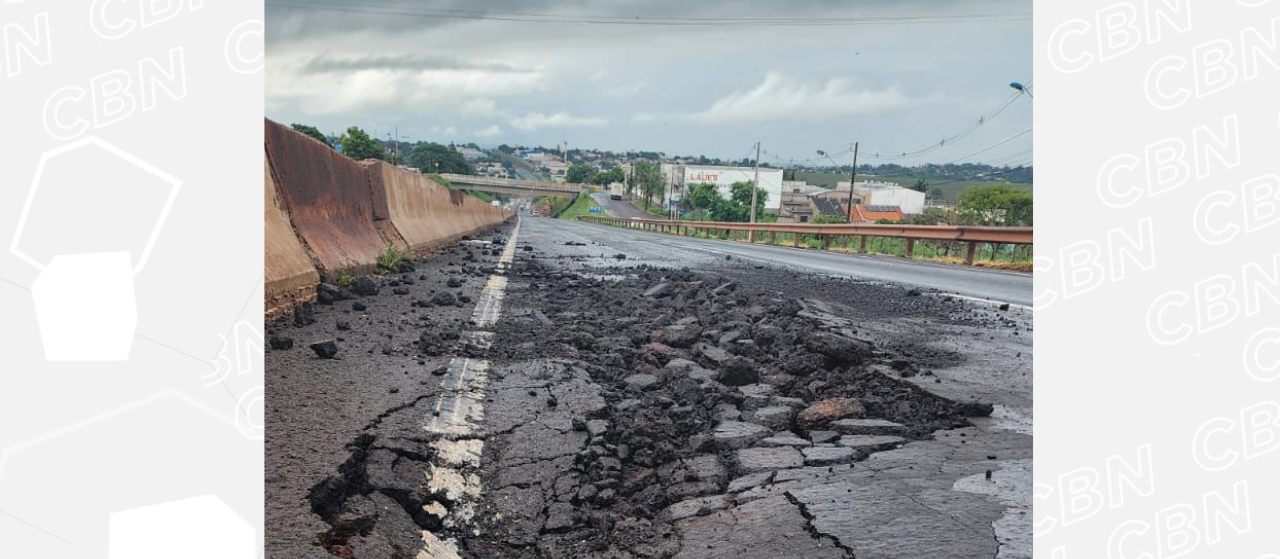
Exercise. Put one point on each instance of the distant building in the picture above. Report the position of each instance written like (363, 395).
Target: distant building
(803, 203)
(873, 213)
(679, 177)
(471, 154)
(911, 202)
(796, 206)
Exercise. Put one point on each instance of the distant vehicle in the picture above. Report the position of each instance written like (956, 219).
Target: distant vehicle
(615, 191)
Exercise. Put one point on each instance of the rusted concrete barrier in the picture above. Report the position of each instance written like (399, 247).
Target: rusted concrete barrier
(288, 274)
(329, 200)
(428, 215)
(325, 212)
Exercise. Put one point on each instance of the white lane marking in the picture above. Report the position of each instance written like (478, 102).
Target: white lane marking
(458, 410)
(986, 301)
(457, 415)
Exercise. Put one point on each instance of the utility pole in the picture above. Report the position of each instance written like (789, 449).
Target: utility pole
(853, 179)
(755, 186)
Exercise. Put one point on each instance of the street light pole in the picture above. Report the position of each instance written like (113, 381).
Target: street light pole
(853, 179)
(755, 186)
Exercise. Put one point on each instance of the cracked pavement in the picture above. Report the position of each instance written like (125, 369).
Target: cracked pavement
(642, 400)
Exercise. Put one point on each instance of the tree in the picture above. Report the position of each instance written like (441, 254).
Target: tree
(931, 216)
(706, 199)
(357, 145)
(311, 131)
(936, 193)
(605, 178)
(921, 185)
(996, 204)
(430, 157)
(579, 173)
(740, 195)
(648, 177)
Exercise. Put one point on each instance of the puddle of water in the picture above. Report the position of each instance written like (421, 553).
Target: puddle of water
(1013, 419)
(1011, 486)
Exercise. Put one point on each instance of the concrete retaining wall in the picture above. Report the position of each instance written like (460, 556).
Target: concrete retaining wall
(289, 275)
(326, 212)
(428, 215)
(328, 197)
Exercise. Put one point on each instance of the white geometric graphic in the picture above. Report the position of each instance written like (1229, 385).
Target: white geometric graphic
(85, 303)
(199, 528)
(86, 307)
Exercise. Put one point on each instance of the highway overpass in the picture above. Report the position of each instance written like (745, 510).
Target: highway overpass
(514, 187)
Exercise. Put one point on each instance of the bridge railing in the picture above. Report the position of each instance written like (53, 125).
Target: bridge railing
(971, 235)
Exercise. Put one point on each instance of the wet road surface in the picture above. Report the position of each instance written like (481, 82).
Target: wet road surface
(618, 208)
(591, 392)
(980, 283)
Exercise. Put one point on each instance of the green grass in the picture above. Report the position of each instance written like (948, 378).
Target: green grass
(654, 210)
(580, 205)
(346, 278)
(473, 193)
(481, 195)
(391, 257)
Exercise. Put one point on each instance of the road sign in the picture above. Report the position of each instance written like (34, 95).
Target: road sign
(594, 209)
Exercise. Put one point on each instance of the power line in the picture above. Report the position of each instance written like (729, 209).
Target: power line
(992, 146)
(973, 126)
(644, 20)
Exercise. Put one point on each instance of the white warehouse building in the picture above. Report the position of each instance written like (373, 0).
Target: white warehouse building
(910, 201)
(680, 177)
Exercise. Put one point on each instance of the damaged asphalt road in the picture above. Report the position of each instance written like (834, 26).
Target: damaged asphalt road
(647, 402)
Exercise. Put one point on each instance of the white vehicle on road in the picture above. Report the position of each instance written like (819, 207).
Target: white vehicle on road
(615, 191)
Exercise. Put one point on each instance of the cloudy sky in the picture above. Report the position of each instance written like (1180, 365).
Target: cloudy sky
(678, 76)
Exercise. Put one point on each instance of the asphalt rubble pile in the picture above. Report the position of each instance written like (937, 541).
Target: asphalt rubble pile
(713, 393)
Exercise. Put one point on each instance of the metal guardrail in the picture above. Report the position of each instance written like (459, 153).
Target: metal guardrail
(972, 235)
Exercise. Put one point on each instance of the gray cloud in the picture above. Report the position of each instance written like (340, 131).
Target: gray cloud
(325, 64)
(681, 89)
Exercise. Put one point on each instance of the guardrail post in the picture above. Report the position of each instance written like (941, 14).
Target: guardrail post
(795, 240)
(826, 241)
(862, 244)
(911, 247)
(968, 253)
